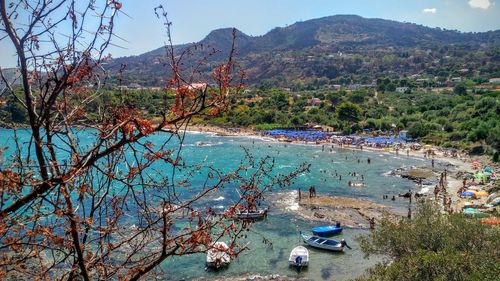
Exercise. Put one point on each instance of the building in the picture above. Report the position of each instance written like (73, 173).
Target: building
(422, 82)
(134, 86)
(314, 102)
(402, 89)
(494, 81)
(195, 86)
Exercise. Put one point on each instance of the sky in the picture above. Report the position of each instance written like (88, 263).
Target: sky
(192, 20)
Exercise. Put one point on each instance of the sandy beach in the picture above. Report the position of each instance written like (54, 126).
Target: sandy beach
(455, 166)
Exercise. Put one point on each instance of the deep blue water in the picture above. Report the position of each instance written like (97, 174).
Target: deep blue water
(225, 153)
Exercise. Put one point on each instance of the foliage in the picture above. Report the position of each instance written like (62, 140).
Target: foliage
(460, 89)
(347, 111)
(460, 121)
(109, 207)
(434, 246)
(317, 53)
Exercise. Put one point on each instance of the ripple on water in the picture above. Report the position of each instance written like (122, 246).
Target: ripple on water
(281, 229)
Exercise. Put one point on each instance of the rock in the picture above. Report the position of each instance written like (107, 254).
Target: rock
(417, 174)
(350, 212)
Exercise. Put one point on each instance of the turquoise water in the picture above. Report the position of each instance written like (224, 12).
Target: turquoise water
(225, 153)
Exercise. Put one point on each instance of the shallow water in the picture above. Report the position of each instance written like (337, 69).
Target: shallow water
(225, 153)
(264, 259)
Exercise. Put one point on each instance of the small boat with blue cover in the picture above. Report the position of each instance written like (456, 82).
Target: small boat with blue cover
(327, 230)
(299, 256)
(324, 243)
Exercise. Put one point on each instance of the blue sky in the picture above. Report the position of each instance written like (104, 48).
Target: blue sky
(194, 19)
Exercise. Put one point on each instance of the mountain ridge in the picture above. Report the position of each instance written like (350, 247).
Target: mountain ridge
(326, 38)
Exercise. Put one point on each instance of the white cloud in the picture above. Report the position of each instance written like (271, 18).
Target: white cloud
(481, 4)
(429, 10)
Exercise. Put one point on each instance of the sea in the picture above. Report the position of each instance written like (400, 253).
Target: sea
(281, 229)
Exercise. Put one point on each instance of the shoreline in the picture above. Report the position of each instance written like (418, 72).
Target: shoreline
(457, 165)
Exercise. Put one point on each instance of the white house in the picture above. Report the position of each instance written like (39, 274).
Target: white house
(494, 81)
(402, 89)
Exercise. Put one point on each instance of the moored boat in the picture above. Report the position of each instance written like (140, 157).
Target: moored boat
(218, 255)
(327, 230)
(324, 243)
(299, 256)
(250, 214)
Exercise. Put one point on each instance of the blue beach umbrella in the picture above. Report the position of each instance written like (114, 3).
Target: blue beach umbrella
(466, 194)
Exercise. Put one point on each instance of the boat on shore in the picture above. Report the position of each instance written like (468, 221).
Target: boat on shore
(299, 257)
(324, 243)
(218, 255)
(250, 214)
(327, 230)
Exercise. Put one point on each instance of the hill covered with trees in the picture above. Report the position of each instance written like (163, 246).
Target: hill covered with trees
(340, 49)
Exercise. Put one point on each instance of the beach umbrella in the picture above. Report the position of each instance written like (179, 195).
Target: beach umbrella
(467, 194)
(481, 175)
(495, 202)
(491, 220)
(481, 194)
(475, 213)
(475, 162)
(473, 187)
(488, 169)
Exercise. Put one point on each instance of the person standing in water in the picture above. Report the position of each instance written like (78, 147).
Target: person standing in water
(372, 223)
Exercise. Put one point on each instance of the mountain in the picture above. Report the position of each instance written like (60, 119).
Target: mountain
(335, 49)
(12, 75)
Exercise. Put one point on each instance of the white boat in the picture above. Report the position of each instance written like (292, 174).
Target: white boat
(324, 243)
(247, 214)
(218, 255)
(299, 256)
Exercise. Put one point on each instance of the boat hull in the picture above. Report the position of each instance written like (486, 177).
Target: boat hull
(251, 215)
(326, 230)
(322, 243)
(299, 257)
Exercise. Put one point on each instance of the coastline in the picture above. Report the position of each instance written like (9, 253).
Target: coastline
(455, 166)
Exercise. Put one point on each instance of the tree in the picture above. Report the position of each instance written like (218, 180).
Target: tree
(434, 246)
(347, 111)
(460, 89)
(103, 210)
(16, 110)
(335, 97)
